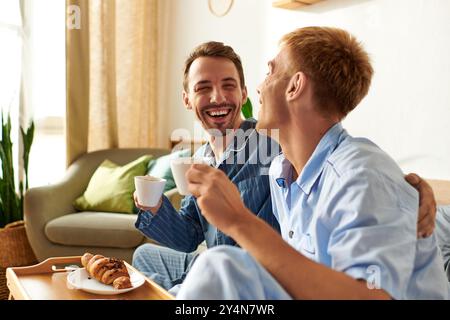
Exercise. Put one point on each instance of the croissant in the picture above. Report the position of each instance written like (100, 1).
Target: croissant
(107, 270)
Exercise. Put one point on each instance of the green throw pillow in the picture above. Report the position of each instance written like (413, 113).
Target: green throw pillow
(160, 167)
(111, 187)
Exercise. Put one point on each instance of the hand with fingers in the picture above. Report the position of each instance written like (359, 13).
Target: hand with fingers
(153, 210)
(218, 198)
(427, 205)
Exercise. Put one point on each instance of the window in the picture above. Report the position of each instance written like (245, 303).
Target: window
(10, 65)
(35, 55)
(10, 54)
(48, 94)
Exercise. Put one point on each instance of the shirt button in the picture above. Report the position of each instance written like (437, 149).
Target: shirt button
(291, 234)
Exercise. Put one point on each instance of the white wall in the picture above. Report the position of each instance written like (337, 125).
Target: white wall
(192, 24)
(407, 111)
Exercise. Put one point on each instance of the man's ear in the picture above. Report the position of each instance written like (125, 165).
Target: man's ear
(186, 101)
(244, 95)
(296, 86)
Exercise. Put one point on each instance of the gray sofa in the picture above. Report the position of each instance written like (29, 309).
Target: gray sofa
(54, 228)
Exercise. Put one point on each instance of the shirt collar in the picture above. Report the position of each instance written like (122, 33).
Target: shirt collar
(282, 170)
(315, 164)
(237, 143)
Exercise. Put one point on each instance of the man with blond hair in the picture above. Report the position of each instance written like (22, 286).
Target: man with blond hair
(348, 219)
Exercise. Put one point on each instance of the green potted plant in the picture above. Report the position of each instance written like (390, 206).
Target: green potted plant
(11, 202)
(15, 249)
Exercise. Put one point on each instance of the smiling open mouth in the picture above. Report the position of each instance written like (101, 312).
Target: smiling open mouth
(218, 113)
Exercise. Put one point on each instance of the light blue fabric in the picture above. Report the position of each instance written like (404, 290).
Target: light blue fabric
(165, 266)
(227, 272)
(351, 210)
(443, 235)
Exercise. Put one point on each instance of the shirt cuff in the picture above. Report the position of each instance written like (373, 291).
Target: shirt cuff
(145, 218)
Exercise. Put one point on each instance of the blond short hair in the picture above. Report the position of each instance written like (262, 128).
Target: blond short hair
(336, 63)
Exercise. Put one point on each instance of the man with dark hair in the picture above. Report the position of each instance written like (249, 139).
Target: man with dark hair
(348, 218)
(214, 88)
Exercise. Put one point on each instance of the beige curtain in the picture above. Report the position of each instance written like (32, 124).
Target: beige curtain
(112, 72)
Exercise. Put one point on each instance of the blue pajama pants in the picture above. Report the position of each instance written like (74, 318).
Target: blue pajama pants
(227, 272)
(165, 266)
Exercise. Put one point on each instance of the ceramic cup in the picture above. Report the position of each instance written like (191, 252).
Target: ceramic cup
(179, 167)
(149, 190)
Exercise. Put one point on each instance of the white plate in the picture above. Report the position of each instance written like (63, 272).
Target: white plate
(79, 279)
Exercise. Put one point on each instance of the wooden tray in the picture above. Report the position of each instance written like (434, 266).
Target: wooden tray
(47, 281)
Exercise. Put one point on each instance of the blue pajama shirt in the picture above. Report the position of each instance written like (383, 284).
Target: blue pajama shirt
(351, 210)
(246, 167)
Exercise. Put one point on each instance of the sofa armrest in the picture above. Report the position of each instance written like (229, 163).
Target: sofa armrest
(174, 198)
(46, 203)
(43, 204)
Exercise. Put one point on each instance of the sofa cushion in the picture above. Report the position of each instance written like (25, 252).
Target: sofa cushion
(111, 187)
(95, 229)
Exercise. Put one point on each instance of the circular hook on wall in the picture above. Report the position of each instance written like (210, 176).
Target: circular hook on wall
(212, 5)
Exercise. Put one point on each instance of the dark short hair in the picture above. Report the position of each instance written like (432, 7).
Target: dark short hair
(216, 50)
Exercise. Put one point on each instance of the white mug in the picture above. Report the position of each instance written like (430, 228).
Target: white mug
(179, 167)
(149, 190)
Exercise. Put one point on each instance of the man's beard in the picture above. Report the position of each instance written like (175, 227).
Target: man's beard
(212, 124)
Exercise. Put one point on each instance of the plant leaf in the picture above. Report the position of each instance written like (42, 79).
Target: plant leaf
(247, 109)
(27, 138)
